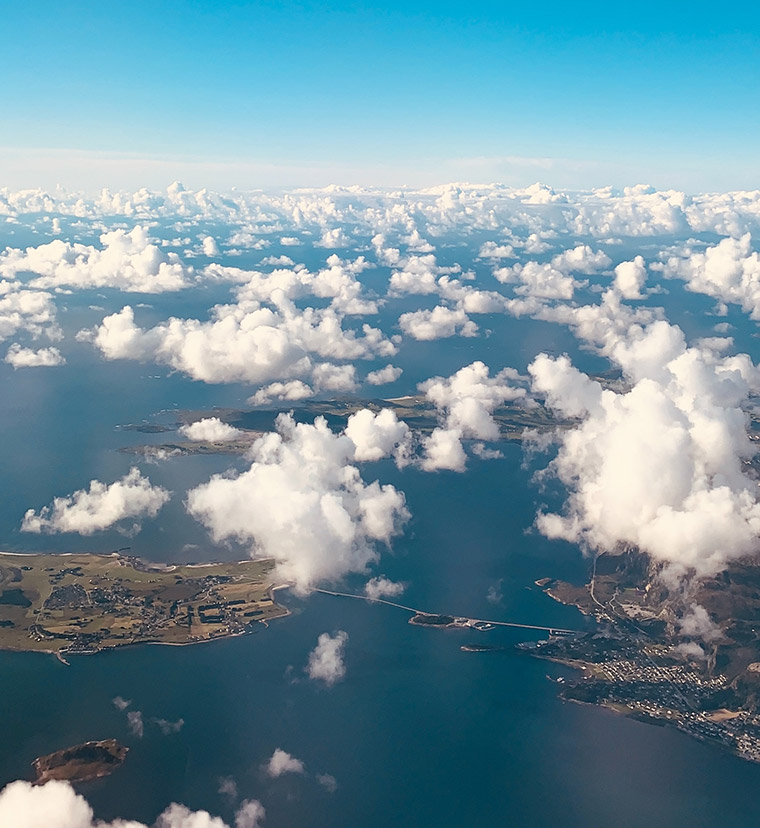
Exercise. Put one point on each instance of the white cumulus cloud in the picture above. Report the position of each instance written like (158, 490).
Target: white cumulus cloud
(57, 805)
(20, 357)
(492, 250)
(326, 659)
(101, 506)
(382, 587)
(378, 435)
(303, 502)
(661, 464)
(126, 261)
(211, 429)
(630, 277)
(241, 343)
(384, 375)
(329, 377)
(27, 310)
(466, 401)
(282, 762)
(250, 814)
(209, 246)
(439, 323)
(289, 391)
(729, 270)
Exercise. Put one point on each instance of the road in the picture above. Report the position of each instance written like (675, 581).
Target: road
(469, 622)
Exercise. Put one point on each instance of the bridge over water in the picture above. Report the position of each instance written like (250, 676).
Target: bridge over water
(468, 622)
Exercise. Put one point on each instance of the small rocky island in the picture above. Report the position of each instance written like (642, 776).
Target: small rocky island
(80, 763)
(424, 619)
(481, 648)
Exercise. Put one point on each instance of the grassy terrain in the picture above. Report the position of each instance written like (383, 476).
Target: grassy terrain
(59, 603)
(513, 419)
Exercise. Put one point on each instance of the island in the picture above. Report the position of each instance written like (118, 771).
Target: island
(178, 448)
(85, 603)
(481, 648)
(425, 619)
(515, 421)
(641, 661)
(80, 763)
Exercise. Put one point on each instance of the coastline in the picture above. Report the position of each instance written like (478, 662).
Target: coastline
(61, 655)
(260, 589)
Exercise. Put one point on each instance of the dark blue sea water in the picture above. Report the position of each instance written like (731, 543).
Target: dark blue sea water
(418, 733)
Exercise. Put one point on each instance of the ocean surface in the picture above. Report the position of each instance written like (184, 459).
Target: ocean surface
(418, 733)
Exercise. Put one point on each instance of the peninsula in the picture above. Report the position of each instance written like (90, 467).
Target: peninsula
(692, 664)
(84, 603)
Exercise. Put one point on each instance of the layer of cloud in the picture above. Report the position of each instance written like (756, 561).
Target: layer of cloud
(402, 219)
(269, 336)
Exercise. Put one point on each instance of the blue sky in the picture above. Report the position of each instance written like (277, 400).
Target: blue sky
(265, 93)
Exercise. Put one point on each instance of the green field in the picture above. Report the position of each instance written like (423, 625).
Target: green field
(84, 603)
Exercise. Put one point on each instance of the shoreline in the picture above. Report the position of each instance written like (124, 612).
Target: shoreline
(161, 566)
(60, 648)
(60, 655)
